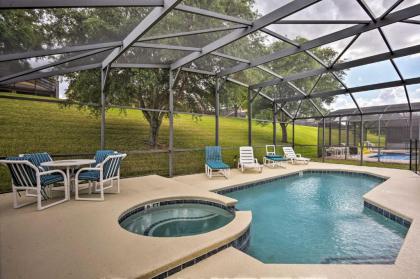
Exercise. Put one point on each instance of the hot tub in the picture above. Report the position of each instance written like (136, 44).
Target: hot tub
(176, 218)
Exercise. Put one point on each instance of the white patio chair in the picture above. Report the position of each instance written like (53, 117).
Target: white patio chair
(107, 171)
(28, 178)
(290, 154)
(247, 160)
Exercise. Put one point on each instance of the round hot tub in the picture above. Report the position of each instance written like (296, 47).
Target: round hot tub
(176, 218)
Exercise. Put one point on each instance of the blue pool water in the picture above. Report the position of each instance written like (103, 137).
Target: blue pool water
(318, 218)
(393, 156)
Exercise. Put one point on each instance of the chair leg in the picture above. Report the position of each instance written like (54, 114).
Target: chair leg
(15, 197)
(118, 184)
(101, 185)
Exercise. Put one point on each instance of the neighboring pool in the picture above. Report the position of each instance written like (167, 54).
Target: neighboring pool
(318, 218)
(393, 156)
(179, 219)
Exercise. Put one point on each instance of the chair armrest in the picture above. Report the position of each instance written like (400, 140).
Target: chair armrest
(256, 160)
(52, 171)
(298, 155)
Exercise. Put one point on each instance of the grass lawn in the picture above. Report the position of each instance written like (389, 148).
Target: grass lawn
(31, 126)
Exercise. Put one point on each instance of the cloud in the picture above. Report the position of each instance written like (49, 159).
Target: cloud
(387, 96)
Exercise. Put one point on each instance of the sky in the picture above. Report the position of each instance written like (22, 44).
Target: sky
(399, 35)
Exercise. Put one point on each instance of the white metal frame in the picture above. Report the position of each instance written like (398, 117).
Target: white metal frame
(101, 188)
(270, 162)
(24, 179)
(289, 153)
(247, 159)
(216, 172)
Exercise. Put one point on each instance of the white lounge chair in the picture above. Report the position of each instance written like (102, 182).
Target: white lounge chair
(271, 159)
(247, 160)
(290, 154)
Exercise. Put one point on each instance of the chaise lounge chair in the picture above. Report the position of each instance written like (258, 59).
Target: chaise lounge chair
(271, 159)
(107, 171)
(247, 160)
(214, 162)
(27, 177)
(290, 154)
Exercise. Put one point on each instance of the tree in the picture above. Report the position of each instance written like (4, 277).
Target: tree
(18, 33)
(294, 64)
(149, 88)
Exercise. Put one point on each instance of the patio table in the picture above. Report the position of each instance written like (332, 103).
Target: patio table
(68, 165)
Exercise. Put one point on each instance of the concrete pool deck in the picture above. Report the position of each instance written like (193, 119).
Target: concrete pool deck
(84, 240)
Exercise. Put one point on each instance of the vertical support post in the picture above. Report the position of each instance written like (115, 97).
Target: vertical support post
(339, 131)
(323, 139)
(293, 134)
(216, 112)
(379, 139)
(171, 123)
(361, 140)
(249, 118)
(330, 133)
(104, 74)
(354, 134)
(411, 125)
(274, 123)
(347, 140)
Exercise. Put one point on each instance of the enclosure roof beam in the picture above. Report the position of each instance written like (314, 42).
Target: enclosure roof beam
(202, 12)
(390, 9)
(163, 46)
(46, 52)
(31, 4)
(272, 100)
(321, 21)
(191, 33)
(336, 36)
(332, 93)
(412, 21)
(367, 10)
(142, 66)
(60, 62)
(235, 35)
(227, 56)
(343, 66)
(145, 25)
(64, 71)
(388, 45)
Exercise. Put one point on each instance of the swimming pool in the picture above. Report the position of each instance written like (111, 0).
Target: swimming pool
(393, 156)
(318, 218)
(176, 218)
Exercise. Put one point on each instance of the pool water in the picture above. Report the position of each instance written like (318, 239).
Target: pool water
(318, 218)
(177, 220)
(393, 156)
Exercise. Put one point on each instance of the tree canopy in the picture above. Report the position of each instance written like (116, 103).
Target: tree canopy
(22, 30)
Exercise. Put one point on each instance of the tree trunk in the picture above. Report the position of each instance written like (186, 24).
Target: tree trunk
(154, 126)
(235, 109)
(283, 132)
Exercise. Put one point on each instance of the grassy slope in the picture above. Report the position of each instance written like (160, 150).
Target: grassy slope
(29, 126)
